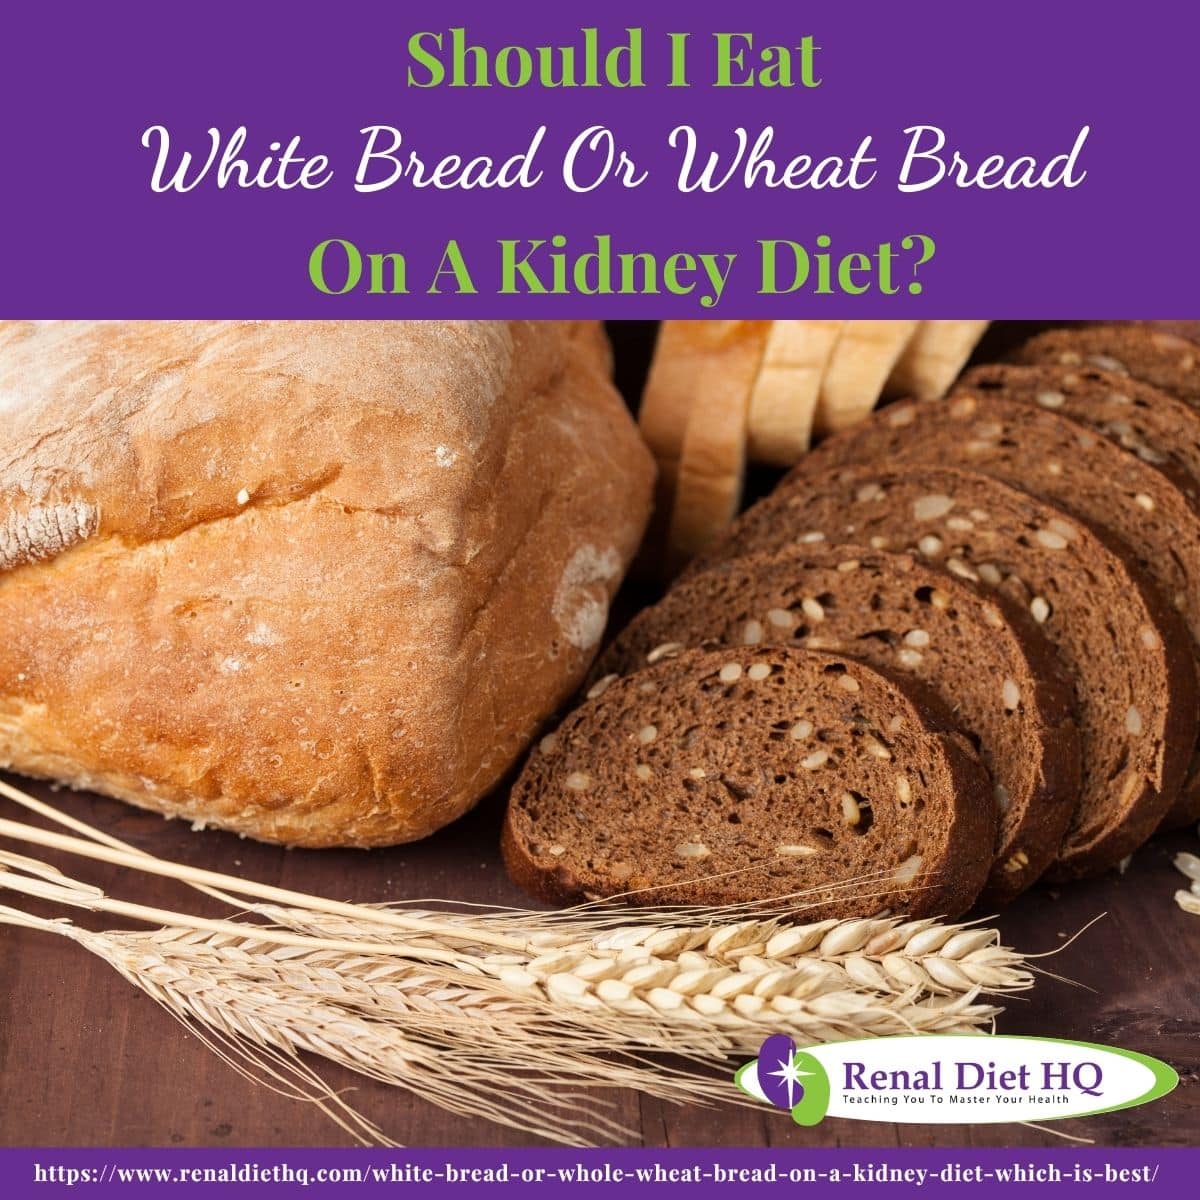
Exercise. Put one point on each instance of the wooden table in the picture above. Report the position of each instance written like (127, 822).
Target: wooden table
(85, 1059)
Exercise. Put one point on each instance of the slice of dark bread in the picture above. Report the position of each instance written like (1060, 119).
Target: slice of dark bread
(1184, 329)
(753, 773)
(1050, 456)
(1125, 650)
(1154, 356)
(900, 613)
(1147, 506)
(1156, 426)
(1150, 423)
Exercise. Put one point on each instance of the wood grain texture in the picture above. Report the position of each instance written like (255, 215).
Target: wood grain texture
(87, 1060)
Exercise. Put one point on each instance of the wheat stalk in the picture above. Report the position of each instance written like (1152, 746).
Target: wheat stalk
(881, 954)
(454, 1004)
(683, 1003)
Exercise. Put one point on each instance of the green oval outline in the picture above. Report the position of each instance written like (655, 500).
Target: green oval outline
(1166, 1078)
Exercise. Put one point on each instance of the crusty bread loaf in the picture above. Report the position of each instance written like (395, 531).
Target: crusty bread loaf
(1125, 650)
(317, 583)
(899, 613)
(750, 773)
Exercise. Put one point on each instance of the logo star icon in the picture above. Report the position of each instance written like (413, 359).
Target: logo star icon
(788, 1073)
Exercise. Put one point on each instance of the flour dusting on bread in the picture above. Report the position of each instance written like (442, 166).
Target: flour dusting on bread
(44, 530)
(580, 604)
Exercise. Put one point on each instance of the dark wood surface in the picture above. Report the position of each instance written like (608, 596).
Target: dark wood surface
(85, 1059)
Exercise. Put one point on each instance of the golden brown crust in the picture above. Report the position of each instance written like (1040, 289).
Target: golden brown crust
(314, 583)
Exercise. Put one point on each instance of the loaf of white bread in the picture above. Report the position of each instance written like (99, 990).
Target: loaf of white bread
(317, 583)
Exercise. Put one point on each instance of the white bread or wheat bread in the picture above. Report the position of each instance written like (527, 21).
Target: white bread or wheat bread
(712, 463)
(861, 362)
(317, 583)
(784, 401)
(934, 358)
(749, 773)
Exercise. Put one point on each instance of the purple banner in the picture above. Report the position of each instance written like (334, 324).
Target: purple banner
(556, 1172)
(932, 159)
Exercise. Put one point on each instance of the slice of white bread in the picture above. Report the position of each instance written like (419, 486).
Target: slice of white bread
(934, 358)
(784, 400)
(861, 362)
(667, 398)
(712, 460)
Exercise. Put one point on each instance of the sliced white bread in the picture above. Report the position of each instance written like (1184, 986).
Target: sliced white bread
(784, 401)
(862, 360)
(712, 461)
(934, 358)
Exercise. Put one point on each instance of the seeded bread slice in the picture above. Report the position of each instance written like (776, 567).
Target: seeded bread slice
(898, 612)
(1050, 456)
(1150, 423)
(1156, 426)
(1152, 355)
(748, 774)
(1125, 650)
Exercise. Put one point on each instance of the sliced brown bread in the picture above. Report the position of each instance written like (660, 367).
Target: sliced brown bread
(1156, 426)
(1183, 329)
(1152, 355)
(1147, 506)
(1150, 423)
(753, 773)
(1125, 650)
(899, 612)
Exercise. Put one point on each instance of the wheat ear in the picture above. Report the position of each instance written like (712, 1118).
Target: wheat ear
(444, 1001)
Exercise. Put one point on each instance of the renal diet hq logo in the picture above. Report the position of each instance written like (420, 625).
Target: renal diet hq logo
(951, 1079)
